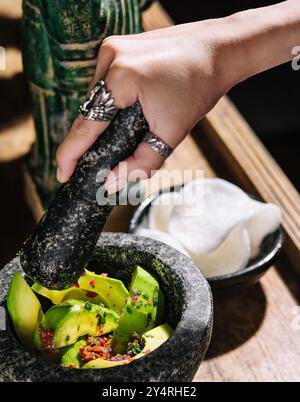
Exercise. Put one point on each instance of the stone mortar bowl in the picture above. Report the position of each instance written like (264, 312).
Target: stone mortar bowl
(189, 311)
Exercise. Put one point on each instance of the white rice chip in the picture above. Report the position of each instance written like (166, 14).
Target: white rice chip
(231, 256)
(201, 228)
(161, 211)
(162, 237)
(264, 222)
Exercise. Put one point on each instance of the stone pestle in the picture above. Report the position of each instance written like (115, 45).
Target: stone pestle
(56, 254)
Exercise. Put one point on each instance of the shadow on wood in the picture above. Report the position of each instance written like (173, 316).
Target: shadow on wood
(290, 277)
(238, 316)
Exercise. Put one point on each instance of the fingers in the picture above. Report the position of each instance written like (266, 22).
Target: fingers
(121, 81)
(82, 136)
(106, 56)
(141, 165)
(84, 133)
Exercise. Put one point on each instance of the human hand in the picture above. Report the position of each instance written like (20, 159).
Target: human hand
(176, 75)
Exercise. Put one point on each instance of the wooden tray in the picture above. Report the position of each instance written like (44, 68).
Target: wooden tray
(257, 329)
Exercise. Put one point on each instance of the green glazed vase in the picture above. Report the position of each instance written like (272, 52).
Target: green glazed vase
(61, 39)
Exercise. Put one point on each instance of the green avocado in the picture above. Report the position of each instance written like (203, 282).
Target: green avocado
(112, 292)
(94, 288)
(153, 339)
(83, 295)
(70, 356)
(24, 309)
(56, 296)
(101, 364)
(64, 324)
(59, 296)
(140, 312)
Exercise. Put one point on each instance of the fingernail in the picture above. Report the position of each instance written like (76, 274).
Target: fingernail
(58, 176)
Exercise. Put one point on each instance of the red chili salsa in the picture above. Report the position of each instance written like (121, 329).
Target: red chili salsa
(100, 348)
(46, 338)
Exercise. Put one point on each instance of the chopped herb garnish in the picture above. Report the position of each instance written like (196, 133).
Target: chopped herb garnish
(101, 318)
(135, 345)
(128, 309)
(134, 292)
(155, 301)
(88, 306)
(63, 276)
(139, 304)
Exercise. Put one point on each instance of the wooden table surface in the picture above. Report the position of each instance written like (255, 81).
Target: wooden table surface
(256, 333)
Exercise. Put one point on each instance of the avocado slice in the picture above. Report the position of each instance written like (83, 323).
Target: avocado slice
(24, 309)
(101, 364)
(70, 356)
(92, 287)
(153, 340)
(59, 296)
(83, 295)
(56, 296)
(65, 323)
(112, 292)
(140, 312)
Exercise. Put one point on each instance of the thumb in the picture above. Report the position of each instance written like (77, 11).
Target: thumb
(141, 165)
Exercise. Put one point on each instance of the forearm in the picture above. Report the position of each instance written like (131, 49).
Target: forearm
(262, 38)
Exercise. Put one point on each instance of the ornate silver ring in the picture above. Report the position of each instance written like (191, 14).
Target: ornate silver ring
(159, 145)
(99, 105)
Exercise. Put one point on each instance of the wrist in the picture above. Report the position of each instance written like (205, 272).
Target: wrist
(221, 49)
(260, 39)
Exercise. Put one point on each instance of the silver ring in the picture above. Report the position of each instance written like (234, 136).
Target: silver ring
(159, 145)
(99, 105)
